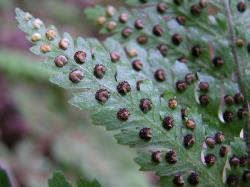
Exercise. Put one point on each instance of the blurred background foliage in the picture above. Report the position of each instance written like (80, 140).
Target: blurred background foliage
(39, 131)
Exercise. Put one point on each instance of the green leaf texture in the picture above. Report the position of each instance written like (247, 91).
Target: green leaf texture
(59, 180)
(189, 159)
(206, 30)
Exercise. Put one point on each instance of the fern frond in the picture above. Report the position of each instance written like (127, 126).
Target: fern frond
(170, 142)
(197, 33)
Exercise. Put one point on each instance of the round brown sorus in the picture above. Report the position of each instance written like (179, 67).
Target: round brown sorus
(160, 75)
(127, 32)
(228, 116)
(111, 25)
(101, 20)
(188, 140)
(241, 6)
(218, 61)
(51, 34)
(181, 20)
(238, 98)
(239, 42)
(146, 105)
(123, 114)
(156, 156)
(102, 95)
(76, 76)
(210, 159)
(195, 10)
(181, 85)
(80, 57)
(234, 161)
(219, 137)
(178, 180)
(45, 48)
(63, 44)
(223, 150)
(184, 113)
(177, 39)
(204, 100)
(163, 48)
(196, 50)
(233, 180)
(162, 7)
(123, 18)
(61, 61)
(228, 99)
(132, 52)
(110, 11)
(146, 133)
(36, 37)
(37, 24)
(244, 160)
(203, 3)
(172, 103)
(99, 71)
(115, 56)
(204, 86)
(194, 178)
(142, 39)
(171, 157)
(190, 78)
(168, 122)
(158, 30)
(139, 24)
(137, 65)
(178, 2)
(183, 59)
(242, 113)
(246, 175)
(123, 87)
(138, 85)
(210, 142)
(190, 124)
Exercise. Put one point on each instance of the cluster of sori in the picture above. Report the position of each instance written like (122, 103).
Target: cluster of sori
(229, 100)
(111, 21)
(196, 50)
(188, 141)
(49, 40)
(12, 126)
(113, 16)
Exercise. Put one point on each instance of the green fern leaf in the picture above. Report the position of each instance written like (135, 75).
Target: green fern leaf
(196, 31)
(59, 180)
(148, 117)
